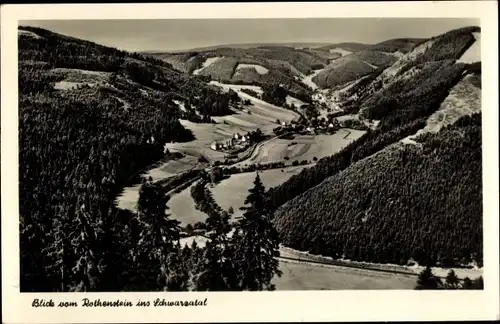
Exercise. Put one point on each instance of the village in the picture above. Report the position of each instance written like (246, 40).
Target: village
(234, 144)
(315, 126)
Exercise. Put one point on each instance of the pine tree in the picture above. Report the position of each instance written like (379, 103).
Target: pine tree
(258, 244)
(84, 241)
(478, 283)
(427, 280)
(216, 271)
(467, 284)
(452, 280)
(159, 237)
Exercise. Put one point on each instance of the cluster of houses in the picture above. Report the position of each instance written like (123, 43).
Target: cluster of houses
(321, 126)
(237, 141)
(316, 126)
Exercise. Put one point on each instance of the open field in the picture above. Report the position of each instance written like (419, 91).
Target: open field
(308, 79)
(259, 114)
(76, 77)
(259, 68)
(464, 99)
(339, 50)
(473, 53)
(209, 61)
(261, 107)
(306, 148)
(182, 208)
(233, 191)
(130, 195)
(207, 133)
(28, 33)
(414, 270)
(310, 276)
(294, 101)
(302, 271)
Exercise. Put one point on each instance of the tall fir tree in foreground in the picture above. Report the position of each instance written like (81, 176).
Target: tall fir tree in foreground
(159, 237)
(452, 281)
(216, 272)
(257, 242)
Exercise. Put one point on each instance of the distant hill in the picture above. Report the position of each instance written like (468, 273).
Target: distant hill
(262, 66)
(246, 46)
(363, 60)
(56, 61)
(351, 47)
(399, 192)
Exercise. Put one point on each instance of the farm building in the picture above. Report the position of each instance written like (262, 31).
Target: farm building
(215, 146)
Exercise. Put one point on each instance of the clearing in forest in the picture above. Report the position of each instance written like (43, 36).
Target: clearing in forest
(233, 191)
(209, 61)
(302, 147)
(259, 68)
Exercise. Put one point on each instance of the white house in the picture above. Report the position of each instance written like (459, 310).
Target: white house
(310, 129)
(214, 146)
(237, 136)
(330, 125)
(243, 138)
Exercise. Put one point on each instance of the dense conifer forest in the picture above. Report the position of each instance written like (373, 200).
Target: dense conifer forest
(78, 148)
(336, 216)
(406, 202)
(401, 107)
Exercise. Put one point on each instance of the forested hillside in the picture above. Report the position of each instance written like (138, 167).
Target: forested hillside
(406, 202)
(402, 108)
(390, 203)
(90, 117)
(363, 61)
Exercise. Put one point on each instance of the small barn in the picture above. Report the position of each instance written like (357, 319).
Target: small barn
(215, 146)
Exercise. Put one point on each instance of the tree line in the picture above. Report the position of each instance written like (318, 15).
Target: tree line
(428, 281)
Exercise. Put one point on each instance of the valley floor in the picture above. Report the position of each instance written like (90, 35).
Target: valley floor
(303, 271)
(301, 275)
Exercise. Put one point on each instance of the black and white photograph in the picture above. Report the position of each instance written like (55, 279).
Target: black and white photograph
(247, 155)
